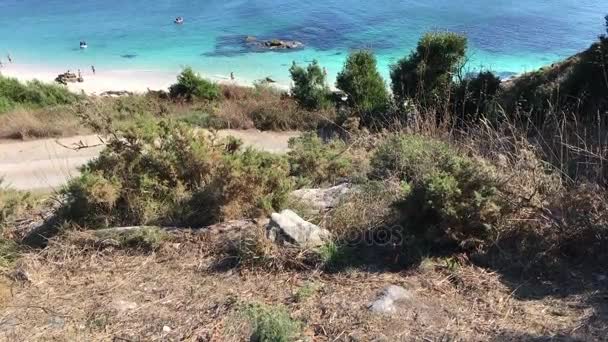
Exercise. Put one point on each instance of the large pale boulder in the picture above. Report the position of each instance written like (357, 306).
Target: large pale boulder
(288, 227)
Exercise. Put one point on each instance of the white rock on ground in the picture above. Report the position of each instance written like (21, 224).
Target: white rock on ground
(287, 226)
(390, 297)
(323, 199)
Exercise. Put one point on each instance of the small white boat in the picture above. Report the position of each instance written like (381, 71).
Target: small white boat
(179, 20)
(83, 45)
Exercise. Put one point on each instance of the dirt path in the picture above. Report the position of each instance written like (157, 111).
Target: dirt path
(44, 165)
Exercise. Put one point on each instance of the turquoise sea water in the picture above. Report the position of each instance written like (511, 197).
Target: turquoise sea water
(507, 36)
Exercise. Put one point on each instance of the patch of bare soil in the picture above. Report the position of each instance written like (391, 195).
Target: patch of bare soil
(76, 293)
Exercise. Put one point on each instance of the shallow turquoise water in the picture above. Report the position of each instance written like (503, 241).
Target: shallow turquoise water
(505, 36)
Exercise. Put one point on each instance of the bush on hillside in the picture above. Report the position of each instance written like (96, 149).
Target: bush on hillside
(452, 197)
(315, 162)
(166, 173)
(361, 81)
(475, 96)
(191, 86)
(427, 73)
(34, 94)
(309, 86)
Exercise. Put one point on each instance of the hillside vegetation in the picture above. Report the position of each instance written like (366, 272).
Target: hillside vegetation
(491, 211)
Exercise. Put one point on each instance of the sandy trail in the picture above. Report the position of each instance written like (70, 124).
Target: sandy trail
(46, 165)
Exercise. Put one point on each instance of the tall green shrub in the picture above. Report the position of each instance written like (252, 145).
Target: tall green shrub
(360, 79)
(309, 86)
(427, 73)
(191, 86)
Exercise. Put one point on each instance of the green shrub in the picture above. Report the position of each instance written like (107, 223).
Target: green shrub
(252, 184)
(157, 173)
(452, 197)
(360, 79)
(191, 86)
(34, 94)
(316, 162)
(272, 324)
(427, 73)
(309, 86)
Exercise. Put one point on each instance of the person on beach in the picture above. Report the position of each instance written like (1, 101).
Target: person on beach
(93, 69)
(232, 75)
(79, 74)
(8, 56)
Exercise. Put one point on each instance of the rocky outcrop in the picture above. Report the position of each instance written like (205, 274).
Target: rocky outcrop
(288, 227)
(68, 77)
(273, 44)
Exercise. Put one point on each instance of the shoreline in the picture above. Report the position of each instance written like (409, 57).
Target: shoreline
(132, 80)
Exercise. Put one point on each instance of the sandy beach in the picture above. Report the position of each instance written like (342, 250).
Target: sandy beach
(137, 81)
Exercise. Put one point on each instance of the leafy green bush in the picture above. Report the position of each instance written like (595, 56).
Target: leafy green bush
(427, 73)
(452, 197)
(34, 94)
(191, 86)
(157, 173)
(309, 86)
(360, 79)
(316, 162)
(272, 324)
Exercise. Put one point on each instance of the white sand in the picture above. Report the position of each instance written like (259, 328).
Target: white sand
(137, 81)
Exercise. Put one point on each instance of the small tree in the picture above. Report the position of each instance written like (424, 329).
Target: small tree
(360, 79)
(309, 87)
(606, 22)
(190, 85)
(427, 73)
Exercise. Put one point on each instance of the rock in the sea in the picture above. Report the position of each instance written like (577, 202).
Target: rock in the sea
(322, 199)
(389, 299)
(288, 227)
(273, 44)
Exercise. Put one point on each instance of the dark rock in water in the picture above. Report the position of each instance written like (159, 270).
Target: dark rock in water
(128, 56)
(274, 44)
(269, 80)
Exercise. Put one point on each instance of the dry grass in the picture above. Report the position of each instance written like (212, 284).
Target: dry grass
(24, 123)
(76, 294)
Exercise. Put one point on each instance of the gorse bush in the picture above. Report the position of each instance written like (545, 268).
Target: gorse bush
(33, 94)
(166, 173)
(450, 196)
(361, 81)
(309, 86)
(426, 74)
(191, 86)
(315, 162)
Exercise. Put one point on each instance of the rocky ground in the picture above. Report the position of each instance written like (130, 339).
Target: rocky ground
(79, 290)
(69, 293)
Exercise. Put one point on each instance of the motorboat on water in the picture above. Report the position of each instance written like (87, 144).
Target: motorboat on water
(83, 45)
(179, 20)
